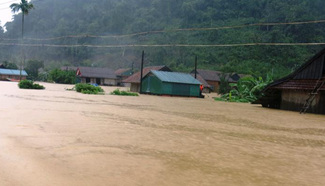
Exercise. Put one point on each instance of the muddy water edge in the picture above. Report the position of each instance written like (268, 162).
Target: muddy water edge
(59, 137)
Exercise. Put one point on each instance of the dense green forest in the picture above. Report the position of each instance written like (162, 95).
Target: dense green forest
(106, 18)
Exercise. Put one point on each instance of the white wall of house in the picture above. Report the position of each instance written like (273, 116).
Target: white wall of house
(103, 81)
(112, 82)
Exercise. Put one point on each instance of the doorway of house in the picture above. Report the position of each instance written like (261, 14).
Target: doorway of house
(98, 81)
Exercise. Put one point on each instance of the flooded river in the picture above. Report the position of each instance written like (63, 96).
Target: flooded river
(58, 137)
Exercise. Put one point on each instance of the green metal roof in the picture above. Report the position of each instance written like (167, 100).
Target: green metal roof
(12, 72)
(175, 77)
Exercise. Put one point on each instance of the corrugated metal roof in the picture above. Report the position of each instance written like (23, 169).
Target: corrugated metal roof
(12, 72)
(135, 78)
(203, 82)
(313, 69)
(92, 72)
(176, 77)
(299, 85)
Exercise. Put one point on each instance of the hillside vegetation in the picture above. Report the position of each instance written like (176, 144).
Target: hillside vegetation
(110, 18)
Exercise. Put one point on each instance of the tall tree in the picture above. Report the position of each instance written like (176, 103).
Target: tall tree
(24, 7)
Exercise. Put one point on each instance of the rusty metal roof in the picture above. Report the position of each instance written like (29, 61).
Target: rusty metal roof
(313, 69)
(298, 85)
(135, 78)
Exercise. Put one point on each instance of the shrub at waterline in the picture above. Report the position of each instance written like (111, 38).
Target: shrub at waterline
(62, 76)
(247, 89)
(123, 93)
(88, 89)
(28, 84)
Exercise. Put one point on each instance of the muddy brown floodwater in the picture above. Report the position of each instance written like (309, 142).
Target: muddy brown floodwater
(58, 137)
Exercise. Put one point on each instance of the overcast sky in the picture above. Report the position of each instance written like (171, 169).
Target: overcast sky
(5, 11)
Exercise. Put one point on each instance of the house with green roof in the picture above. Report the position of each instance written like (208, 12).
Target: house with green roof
(170, 83)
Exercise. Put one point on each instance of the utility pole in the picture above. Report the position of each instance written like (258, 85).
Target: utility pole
(142, 60)
(195, 68)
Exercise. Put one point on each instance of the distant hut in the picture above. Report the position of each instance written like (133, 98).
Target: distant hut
(213, 78)
(123, 74)
(293, 91)
(206, 87)
(170, 83)
(100, 76)
(12, 75)
(134, 80)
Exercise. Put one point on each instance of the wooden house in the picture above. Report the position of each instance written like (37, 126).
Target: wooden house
(206, 87)
(293, 91)
(170, 83)
(100, 76)
(12, 75)
(134, 80)
(123, 74)
(213, 78)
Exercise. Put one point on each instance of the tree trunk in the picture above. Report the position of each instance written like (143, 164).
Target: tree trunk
(23, 49)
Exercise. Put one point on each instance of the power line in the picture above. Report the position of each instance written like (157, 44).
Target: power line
(172, 30)
(164, 45)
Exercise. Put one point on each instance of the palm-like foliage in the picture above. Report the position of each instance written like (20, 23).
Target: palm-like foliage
(248, 89)
(24, 7)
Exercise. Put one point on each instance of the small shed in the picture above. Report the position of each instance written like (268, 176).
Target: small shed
(170, 83)
(12, 75)
(293, 91)
(100, 76)
(134, 80)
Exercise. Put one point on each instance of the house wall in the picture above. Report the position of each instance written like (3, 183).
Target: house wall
(151, 84)
(111, 82)
(215, 85)
(4, 77)
(135, 87)
(295, 99)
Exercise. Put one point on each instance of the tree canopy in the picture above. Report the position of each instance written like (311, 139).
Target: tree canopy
(53, 19)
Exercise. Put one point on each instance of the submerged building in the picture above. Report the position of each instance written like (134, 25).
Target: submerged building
(134, 80)
(100, 76)
(12, 75)
(170, 83)
(302, 90)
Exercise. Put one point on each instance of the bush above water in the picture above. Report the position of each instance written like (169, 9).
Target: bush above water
(123, 93)
(27, 84)
(88, 89)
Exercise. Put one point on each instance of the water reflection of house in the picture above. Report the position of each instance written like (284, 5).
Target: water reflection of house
(12, 75)
(170, 83)
(292, 91)
(100, 76)
(134, 80)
